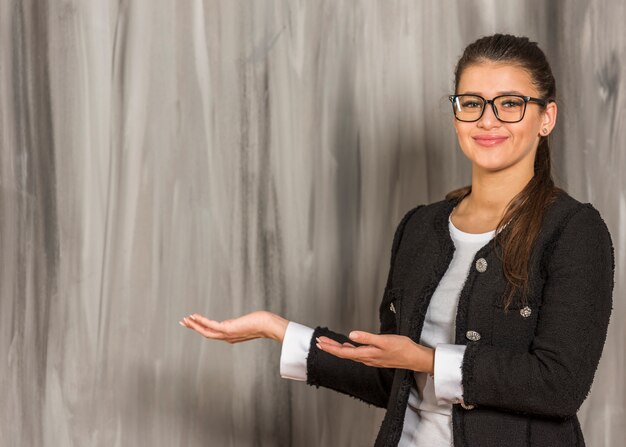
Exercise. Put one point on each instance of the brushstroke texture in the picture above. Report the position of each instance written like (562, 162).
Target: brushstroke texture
(160, 158)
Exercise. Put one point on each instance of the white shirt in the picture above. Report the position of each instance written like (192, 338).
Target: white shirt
(428, 419)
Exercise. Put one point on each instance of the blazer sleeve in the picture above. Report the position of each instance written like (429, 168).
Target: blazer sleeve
(367, 383)
(554, 377)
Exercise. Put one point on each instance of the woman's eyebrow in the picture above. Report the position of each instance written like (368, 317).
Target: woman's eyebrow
(508, 92)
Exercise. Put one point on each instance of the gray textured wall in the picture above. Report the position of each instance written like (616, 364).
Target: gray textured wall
(161, 157)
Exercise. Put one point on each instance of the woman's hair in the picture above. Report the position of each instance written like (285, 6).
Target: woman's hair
(524, 213)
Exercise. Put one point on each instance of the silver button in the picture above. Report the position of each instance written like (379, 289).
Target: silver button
(525, 311)
(467, 406)
(481, 264)
(472, 335)
(392, 308)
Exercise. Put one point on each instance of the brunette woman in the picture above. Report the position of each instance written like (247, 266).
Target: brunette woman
(498, 297)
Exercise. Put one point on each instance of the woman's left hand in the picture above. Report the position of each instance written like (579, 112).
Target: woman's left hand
(382, 350)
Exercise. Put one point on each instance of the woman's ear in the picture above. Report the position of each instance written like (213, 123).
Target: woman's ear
(548, 118)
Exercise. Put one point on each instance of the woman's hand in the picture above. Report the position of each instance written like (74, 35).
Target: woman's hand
(258, 324)
(385, 351)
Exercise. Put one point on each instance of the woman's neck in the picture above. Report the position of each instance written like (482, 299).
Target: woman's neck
(482, 209)
(492, 192)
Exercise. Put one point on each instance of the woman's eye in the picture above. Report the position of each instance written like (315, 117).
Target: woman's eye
(511, 103)
(470, 104)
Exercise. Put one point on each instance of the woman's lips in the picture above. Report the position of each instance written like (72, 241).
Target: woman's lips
(489, 141)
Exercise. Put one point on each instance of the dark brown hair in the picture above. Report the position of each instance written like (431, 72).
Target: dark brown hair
(524, 213)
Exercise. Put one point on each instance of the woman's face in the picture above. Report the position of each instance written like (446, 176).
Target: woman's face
(490, 144)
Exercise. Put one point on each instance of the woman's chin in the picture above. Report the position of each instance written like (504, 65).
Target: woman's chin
(489, 165)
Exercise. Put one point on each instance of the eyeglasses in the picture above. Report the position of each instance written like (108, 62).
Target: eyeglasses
(507, 108)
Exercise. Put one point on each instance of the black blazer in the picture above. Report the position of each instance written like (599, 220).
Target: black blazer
(524, 374)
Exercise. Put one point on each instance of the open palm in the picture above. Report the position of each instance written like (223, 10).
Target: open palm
(258, 324)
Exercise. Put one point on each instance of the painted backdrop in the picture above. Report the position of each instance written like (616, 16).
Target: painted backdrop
(164, 157)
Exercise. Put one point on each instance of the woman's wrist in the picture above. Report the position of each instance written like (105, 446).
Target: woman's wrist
(424, 359)
(276, 327)
(430, 361)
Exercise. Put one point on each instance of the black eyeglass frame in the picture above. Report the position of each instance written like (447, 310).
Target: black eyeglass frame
(526, 100)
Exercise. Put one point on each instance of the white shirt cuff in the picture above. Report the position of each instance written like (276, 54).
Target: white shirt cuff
(295, 350)
(448, 374)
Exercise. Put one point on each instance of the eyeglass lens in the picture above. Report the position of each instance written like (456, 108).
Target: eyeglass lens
(507, 108)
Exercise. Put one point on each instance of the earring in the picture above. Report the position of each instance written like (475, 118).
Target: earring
(544, 131)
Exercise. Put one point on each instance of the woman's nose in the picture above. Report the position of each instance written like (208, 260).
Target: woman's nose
(489, 119)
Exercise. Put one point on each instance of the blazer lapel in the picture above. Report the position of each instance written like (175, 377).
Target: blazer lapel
(418, 299)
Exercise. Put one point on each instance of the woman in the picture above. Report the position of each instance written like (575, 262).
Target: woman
(498, 298)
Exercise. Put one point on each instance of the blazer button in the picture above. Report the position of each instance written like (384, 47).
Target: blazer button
(392, 308)
(481, 264)
(472, 335)
(525, 311)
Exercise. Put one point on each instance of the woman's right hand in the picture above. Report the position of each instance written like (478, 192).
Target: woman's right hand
(258, 324)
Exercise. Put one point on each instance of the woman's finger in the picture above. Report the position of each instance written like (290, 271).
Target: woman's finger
(211, 324)
(207, 332)
(203, 322)
(351, 353)
(328, 340)
(366, 338)
(332, 342)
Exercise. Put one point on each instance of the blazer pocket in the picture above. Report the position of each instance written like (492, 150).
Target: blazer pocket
(390, 310)
(515, 327)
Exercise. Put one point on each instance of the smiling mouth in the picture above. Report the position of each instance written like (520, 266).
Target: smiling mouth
(489, 141)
